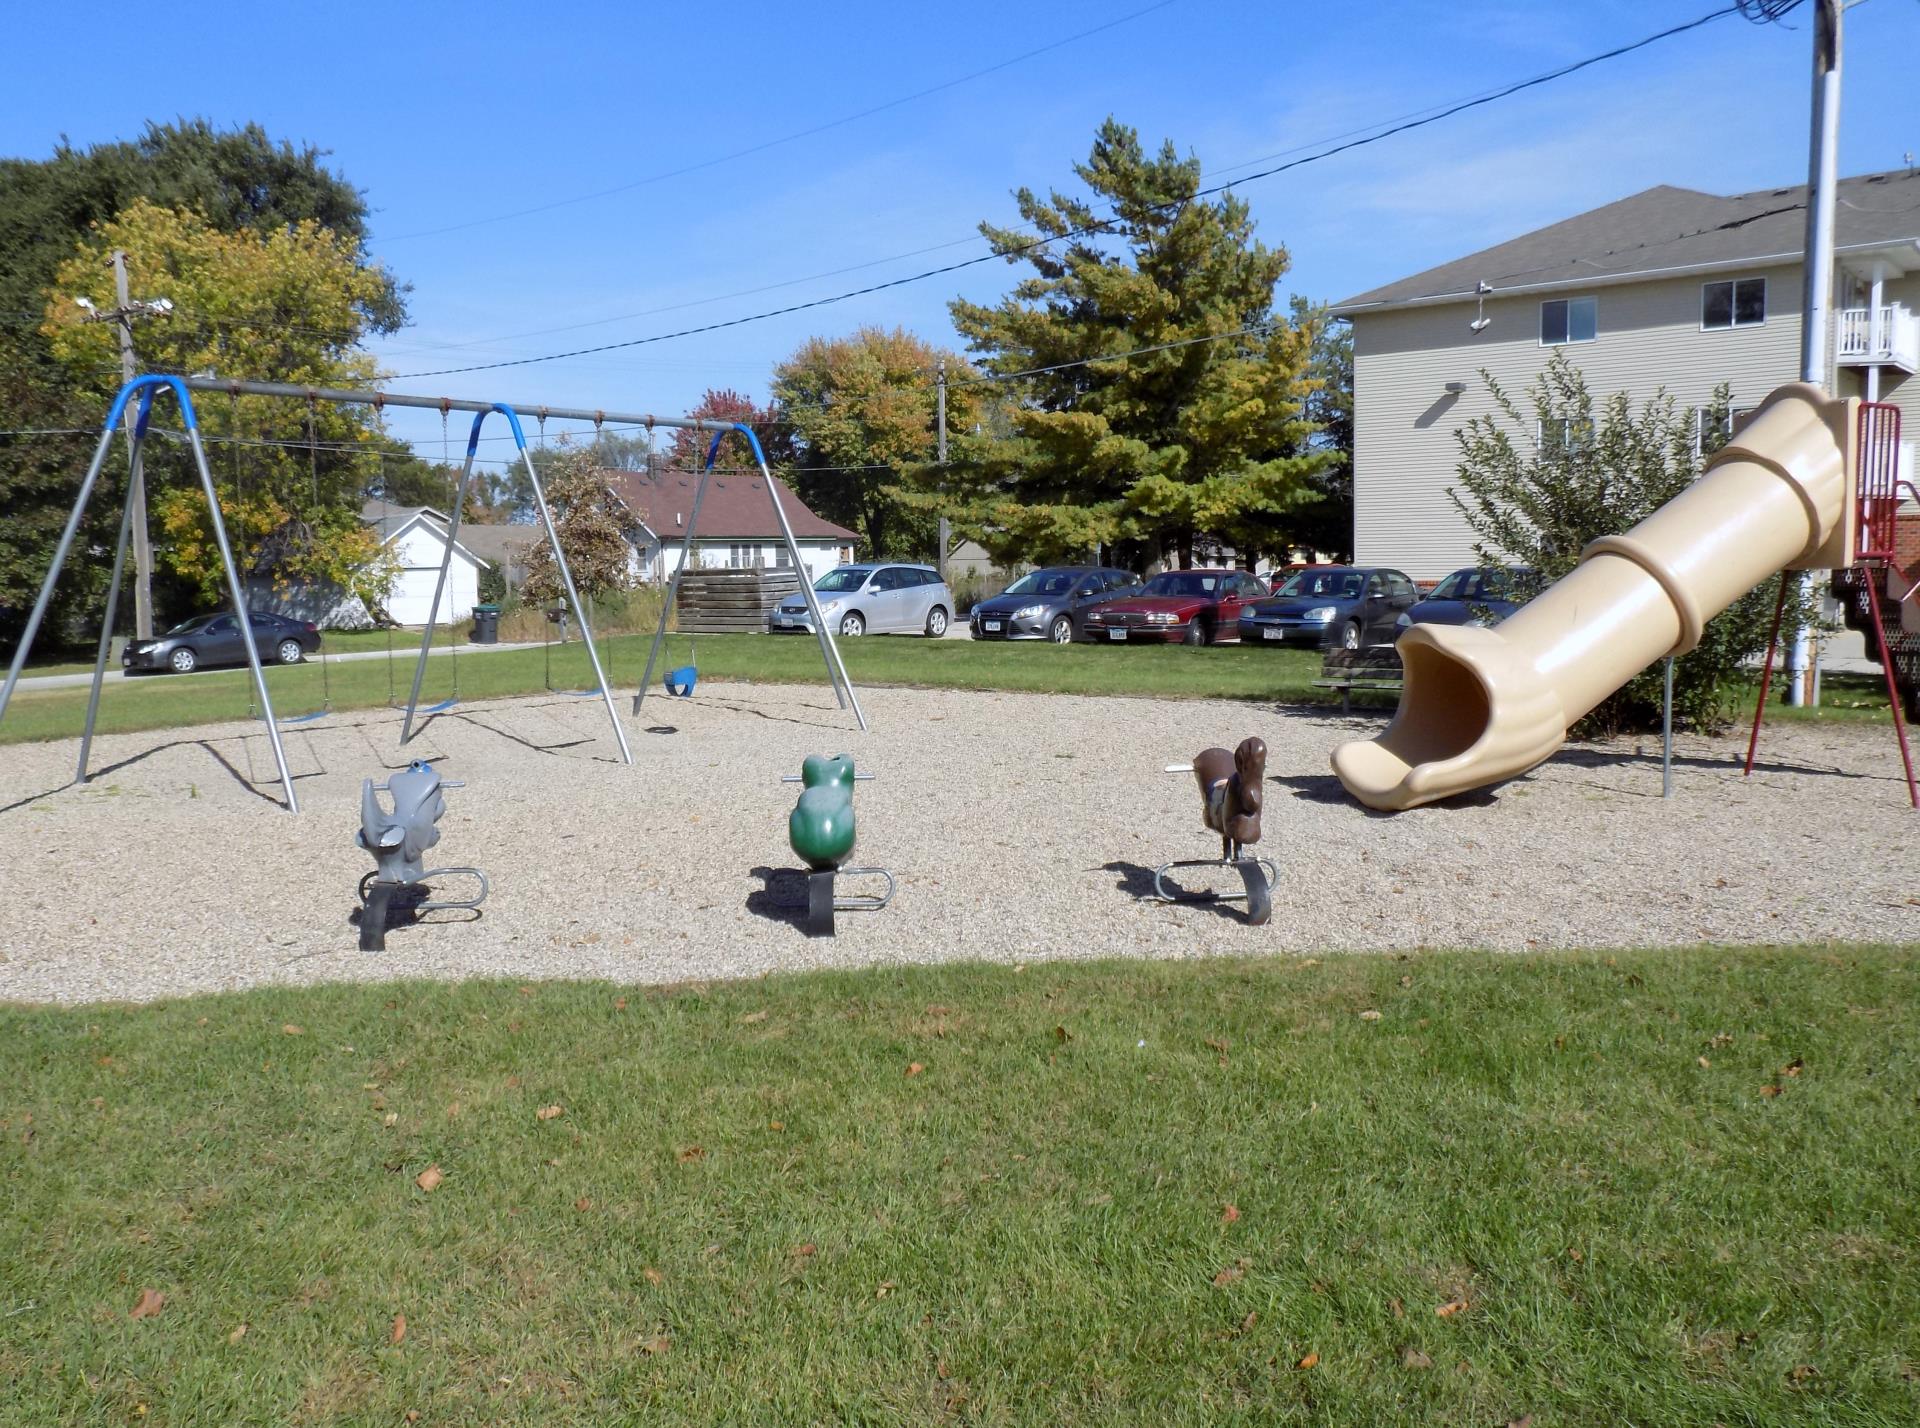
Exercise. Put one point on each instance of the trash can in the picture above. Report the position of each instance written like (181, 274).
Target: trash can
(486, 624)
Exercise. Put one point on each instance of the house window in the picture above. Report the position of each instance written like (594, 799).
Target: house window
(1739, 302)
(781, 559)
(1561, 436)
(743, 557)
(1714, 429)
(1564, 320)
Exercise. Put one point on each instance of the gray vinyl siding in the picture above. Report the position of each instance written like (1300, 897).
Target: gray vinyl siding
(1649, 336)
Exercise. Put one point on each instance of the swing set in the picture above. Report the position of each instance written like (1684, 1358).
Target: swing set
(140, 393)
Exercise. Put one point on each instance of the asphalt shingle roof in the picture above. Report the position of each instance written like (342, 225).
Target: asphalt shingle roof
(736, 507)
(1667, 228)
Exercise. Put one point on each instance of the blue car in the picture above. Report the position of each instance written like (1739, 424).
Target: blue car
(1484, 595)
(1346, 606)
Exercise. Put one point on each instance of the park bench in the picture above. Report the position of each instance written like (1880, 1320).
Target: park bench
(1373, 670)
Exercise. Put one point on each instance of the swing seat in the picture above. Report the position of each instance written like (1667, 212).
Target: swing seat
(680, 681)
(443, 705)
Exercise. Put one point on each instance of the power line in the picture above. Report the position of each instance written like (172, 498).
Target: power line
(1018, 249)
(786, 138)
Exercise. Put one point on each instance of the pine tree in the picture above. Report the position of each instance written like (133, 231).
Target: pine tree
(1206, 435)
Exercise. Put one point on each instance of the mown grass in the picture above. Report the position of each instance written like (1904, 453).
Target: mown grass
(1163, 672)
(161, 701)
(1655, 1188)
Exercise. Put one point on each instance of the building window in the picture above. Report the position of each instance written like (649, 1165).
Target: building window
(1739, 302)
(1564, 320)
(1561, 436)
(1714, 429)
(781, 559)
(743, 557)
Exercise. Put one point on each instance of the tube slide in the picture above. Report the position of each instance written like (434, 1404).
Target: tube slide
(1480, 705)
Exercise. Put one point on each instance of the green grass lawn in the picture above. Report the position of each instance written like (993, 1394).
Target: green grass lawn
(1160, 671)
(1648, 1188)
(161, 701)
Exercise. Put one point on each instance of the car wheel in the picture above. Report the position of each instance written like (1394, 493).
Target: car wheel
(1061, 630)
(1351, 636)
(1196, 633)
(936, 623)
(289, 652)
(182, 661)
(852, 626)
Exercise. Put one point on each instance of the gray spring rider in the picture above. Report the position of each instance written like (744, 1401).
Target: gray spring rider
(394, 894)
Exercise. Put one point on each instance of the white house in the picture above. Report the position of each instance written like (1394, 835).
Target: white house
(1670, 288)
(738, 528)
(417, 538)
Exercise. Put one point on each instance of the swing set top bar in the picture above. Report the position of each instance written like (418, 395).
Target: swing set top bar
(352, 397)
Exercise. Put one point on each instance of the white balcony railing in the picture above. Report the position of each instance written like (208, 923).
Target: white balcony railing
(1888, 334)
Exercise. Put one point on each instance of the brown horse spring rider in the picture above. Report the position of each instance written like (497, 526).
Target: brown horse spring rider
(1231, 793)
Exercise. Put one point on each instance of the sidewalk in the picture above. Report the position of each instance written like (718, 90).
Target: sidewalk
(401, 651)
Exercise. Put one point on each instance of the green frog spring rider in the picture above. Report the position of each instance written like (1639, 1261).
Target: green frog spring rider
(821, 830)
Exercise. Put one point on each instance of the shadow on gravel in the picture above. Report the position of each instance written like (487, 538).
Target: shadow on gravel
(1603, 758)
(834, 718)
(226, 767)
(1137, 882)
(556, 749)
(1327, 788)
(789, 905)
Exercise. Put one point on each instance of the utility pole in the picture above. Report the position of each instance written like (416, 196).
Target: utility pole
(1822, 173)
(121, 315)
(945, 529)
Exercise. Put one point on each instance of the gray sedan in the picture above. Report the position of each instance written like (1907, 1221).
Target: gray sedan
(1048, 604)
(216, 639)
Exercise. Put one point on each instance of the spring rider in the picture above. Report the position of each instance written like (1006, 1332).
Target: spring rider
(821, 831)
(394, 894)
(1231, 795)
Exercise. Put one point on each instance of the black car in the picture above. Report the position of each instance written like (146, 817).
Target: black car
(216, 639)
(1048, 604)
(1350, 606)
(1476, 596)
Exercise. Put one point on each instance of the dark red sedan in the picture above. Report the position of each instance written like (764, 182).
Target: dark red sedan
(1193, 607)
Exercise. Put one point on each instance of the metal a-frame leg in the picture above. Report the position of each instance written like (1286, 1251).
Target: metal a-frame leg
(146, 387)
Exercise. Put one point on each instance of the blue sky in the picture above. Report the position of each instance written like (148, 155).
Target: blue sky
(449, 116)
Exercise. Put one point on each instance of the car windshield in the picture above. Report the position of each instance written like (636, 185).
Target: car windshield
(1183, 582)
(187, 627)
(1042, 582)
(1495, 583)
(1324, 584)
(848, 577)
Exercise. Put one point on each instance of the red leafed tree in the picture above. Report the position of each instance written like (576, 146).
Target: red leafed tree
(690, 447)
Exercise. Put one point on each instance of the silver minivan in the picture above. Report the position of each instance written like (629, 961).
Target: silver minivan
(877, 598)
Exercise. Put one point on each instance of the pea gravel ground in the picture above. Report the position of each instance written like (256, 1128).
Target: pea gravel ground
(1021, 827)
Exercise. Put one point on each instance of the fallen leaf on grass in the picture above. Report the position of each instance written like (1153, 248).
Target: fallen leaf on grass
(915, 1068)
(1308, 1361)
(1061, 1034)
(1770, 1090)
(658, 1344)
(583, 1204)
(619, 1003)
(750, 1018)
(776, 1125)
(1253, 1317)
(1218, 1043)
(150, 1303)
(887, 1286)
(239, 1333)
(1230, 1214)
(291, 1030)
(1232, 1272)
(1451, 1307)
(1369, 1015)
(1525, 1420)
(1800, 1373)
(652, 1275)
(1793, 1067)
(1704, 1063)
(453, 1110)
(1412, 1358)
(1399, 1309)
(547, 1113)
(806, 1251)
(399, 1330)
(390, 1119)
(687, 1154)
(429, 1179)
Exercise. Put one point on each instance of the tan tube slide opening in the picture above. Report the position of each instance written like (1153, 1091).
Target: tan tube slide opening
(1481, 705)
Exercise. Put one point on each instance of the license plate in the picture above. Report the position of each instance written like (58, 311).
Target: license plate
(1271, 634)
(1116, 634)
(992, 624)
